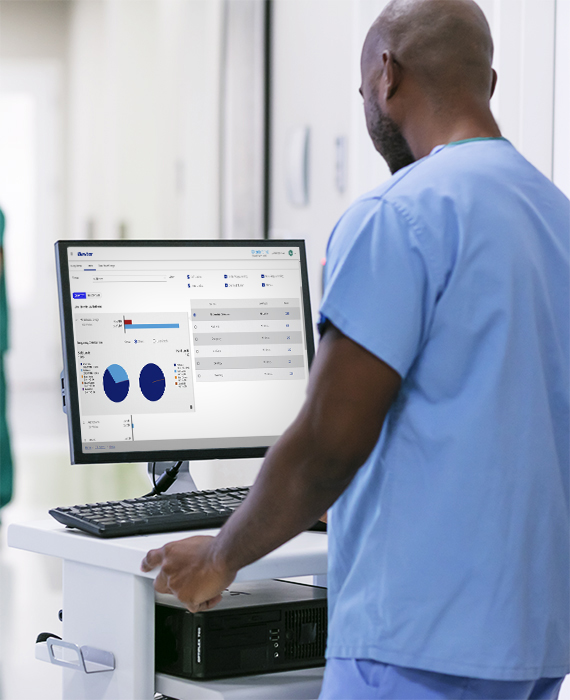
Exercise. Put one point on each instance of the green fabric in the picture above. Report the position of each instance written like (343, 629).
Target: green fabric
(478, 138)
(3, 300)
(6, 465)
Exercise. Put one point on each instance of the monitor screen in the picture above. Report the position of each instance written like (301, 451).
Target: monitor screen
(182, 349)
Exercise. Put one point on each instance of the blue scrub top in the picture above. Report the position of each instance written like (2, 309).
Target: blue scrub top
(449, 551)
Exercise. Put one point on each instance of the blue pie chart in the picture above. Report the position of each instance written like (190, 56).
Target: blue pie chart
(152, 382)
(116, 383)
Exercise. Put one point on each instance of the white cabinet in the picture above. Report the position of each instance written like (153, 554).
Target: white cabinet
(144, 119)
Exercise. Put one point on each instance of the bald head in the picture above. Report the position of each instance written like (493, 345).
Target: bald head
(445, 44)
(427, 77)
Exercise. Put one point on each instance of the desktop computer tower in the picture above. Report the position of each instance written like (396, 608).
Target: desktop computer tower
(258, 627)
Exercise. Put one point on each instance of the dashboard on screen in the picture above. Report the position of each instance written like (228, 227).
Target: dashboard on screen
(182, 349)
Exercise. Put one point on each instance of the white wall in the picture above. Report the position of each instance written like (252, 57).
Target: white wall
(33, 55)
(144, 119)
(242, 118)
(312, 85)
(34, 29)
(561, 164)
(524, 33)
(189, 95)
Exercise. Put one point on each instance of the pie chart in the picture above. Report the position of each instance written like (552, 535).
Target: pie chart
(152, 382)
(116, 383)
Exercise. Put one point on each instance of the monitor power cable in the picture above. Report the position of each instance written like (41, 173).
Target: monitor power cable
(165, 481)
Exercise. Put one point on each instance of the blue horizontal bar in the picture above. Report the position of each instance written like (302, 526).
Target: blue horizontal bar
(139, 326)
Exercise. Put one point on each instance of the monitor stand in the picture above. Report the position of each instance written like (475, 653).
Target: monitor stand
(248, 468)
(184, 481)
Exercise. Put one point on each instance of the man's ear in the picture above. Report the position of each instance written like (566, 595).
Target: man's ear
(493, 82)
(393, 74)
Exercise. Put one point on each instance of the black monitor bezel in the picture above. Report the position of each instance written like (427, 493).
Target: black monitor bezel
(77, 456)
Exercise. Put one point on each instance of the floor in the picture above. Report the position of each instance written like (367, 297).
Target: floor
(30, 585)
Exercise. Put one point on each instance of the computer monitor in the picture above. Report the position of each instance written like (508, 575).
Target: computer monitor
(182, 350)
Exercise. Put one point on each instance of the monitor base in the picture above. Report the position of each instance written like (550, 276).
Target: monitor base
(184, 481)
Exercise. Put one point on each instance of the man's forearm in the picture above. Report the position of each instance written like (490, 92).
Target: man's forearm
(298, 482)
(349, 394)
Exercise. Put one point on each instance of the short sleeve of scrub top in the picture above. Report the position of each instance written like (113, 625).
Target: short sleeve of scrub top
(381, 287)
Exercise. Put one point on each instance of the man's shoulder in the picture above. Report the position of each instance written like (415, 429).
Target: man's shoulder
(364, 209)
(464, 177)
(452, 182)
(393, 193)
(369, 202)
(462, 167)
(436, 173)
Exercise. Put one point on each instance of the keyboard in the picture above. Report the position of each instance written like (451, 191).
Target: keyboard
(194, 510)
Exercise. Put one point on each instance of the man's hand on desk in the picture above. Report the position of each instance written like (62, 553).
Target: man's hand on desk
(189, 572)
(350, 391)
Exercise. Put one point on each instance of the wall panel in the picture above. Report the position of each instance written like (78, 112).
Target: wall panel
(561, 141)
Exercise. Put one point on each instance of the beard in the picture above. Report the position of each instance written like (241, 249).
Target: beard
(387, 138)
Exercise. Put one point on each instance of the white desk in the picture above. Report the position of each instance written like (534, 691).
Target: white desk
(108, 603)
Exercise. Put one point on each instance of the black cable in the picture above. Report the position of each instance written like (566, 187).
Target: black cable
(165, 481)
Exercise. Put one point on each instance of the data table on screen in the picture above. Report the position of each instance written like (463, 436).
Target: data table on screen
(247, 340)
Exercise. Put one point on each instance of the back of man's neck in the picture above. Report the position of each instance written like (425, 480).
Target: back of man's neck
(423, 138)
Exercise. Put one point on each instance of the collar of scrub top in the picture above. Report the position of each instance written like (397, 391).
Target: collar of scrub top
(437, 149)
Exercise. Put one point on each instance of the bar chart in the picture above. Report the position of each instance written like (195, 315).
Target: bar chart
(129, 325)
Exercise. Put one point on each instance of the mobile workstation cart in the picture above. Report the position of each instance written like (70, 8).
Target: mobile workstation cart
(108, 606)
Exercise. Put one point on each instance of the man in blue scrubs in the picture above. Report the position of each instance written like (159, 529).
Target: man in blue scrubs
(437, 415)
